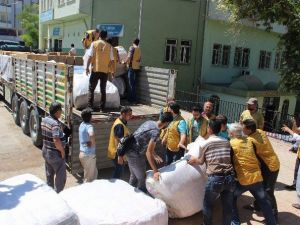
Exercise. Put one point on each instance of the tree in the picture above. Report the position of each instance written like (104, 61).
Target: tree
(266, 13)
(29, 19)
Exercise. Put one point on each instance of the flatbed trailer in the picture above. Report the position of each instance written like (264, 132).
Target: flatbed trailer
(36, 84)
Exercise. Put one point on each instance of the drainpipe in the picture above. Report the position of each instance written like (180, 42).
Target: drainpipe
(140, 18)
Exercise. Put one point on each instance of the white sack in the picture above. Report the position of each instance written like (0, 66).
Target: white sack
(120, 84)
(27, 200)
(114, 202)
(6, 68)
(81, 90)
(121, 68)
(181, 186)
(122, 53)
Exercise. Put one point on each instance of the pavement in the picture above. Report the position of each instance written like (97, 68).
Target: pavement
(19, 156)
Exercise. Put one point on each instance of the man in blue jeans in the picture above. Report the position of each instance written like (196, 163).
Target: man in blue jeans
(133, 61)
(216, 153)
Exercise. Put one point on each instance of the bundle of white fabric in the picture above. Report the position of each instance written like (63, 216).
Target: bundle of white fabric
(6, 68)
(114, 202)
(26, 199)
(81, 90)
(181, 186)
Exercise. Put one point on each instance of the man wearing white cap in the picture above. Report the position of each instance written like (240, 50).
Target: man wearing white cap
(252, 113)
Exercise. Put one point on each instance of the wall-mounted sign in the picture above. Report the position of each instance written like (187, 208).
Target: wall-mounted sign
(113, 30)
(46, 16)
(56, 31)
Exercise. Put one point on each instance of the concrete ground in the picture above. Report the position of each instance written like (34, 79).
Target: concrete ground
(19, 156)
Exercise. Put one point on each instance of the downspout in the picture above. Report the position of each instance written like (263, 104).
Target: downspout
(140, 18)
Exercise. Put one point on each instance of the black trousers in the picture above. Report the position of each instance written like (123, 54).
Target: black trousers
(94, 78)
(296, 170)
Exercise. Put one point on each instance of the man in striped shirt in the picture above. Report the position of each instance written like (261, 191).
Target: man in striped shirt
(216, 153)
(53, 148)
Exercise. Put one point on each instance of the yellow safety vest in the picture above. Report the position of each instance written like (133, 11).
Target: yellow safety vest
(136, 58)
(246, 164)
(112, 148)
(298, 152)
(202, 130)
(264, 150)
(173, 136)
(101, 58)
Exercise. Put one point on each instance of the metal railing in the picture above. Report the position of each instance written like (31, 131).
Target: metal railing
(274, 120)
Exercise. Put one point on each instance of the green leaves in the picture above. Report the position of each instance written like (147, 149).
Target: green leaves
(29, 19)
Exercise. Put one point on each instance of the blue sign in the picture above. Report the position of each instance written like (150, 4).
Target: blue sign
(46, 16)
(113, 30)
(56, 31)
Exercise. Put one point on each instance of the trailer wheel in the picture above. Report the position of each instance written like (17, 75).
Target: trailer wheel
(35, 127)
(15, 109)
(24, 117)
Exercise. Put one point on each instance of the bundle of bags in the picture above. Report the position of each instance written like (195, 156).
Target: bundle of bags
(81, 90)
(26, 199)
(6, 68)
(181, 186)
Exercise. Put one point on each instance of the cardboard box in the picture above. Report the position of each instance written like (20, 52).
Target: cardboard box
(61, 59)
(78, 61)
(70, 60)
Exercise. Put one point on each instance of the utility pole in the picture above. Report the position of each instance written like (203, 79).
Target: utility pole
(140, 19)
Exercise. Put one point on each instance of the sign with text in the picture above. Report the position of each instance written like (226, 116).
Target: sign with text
(56, 31)
(113, 30)
(46, 16)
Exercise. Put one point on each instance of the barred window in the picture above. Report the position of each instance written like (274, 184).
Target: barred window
(185, 52)
(170, 50)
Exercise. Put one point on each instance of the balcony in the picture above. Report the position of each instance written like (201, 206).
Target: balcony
(5, 9)
(70, 9)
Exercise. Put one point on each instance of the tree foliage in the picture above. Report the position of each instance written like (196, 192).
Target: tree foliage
(266, 13)
(29, 19)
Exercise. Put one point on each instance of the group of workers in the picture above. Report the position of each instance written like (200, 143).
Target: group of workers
(239, 157)
(102, 62)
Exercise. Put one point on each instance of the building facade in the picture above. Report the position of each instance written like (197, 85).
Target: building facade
(10, 27)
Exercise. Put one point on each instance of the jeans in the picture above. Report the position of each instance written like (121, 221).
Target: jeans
(223, 186)
(296, 170)
(257, 190)
(89, 165)
(55, 167)
(132, 84)
(173, 156)
(137, 168)
(94, 78)
(118, 169)
(298, 186)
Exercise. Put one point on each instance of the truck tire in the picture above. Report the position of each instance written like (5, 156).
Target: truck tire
(35, 127)
(24, 117)
(15, 108)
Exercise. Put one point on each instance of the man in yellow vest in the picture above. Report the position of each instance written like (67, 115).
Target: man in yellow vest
(175, 137)
(248, 172)
(296, 137)
(118, 131)
(133, 61)
(100, 56)
(269, 161)
(208, 110)
(253, 113)
(196, 126)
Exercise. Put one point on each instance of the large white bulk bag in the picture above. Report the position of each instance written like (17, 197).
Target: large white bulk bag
(114, 202)
(6, 68)
(120, 84)
(26, 199)
(81, 90)
(181, 186)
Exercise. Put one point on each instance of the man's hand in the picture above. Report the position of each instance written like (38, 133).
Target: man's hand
(193, 161)
(156, 176)
(181, 146)
(87, 71)
(120, 160)
(158, 159)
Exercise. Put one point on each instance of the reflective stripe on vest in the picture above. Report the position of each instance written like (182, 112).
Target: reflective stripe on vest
(112, 148)
(101, 57)
(173, 136)
(246, 164)
(264, 150)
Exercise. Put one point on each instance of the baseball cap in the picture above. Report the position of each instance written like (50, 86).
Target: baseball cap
(252, 101)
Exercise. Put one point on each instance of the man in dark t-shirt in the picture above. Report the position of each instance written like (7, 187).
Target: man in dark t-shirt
(146, 137)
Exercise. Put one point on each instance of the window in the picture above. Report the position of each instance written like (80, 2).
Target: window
(61, 2)
(264, 60)
(241, 57)
(226, 55)
(279, 60)
(216, 57)
(170, 51)
(185, 52)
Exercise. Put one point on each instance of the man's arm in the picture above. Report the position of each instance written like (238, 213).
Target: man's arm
(59, 146)
(92, 137)
(150, 157)
(182, 130)
(200, 160)
(90, 55)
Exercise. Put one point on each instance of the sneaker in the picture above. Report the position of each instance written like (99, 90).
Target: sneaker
(290, 187)
(296, 205)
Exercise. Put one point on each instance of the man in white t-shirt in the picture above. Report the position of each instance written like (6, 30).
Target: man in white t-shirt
(72, 51)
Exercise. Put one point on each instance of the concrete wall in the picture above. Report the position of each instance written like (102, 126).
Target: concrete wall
(220, 32)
